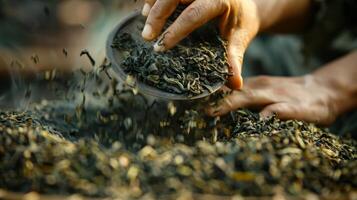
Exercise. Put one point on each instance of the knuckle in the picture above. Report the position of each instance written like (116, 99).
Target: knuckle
(264, 80)
(244, 37)
(228, 102)
(192, 14)
(223, 4)
(156, 14)
(231, 102)
(281, 91)
(158, 11)
(239, 58)
(250, 94)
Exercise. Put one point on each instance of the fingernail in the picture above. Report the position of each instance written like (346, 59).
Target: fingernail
(146, 10)
(147, 32)
(266, 115)
(159, 48)
(235, 82)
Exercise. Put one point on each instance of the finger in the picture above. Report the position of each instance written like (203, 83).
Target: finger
(157, 18)
(261, 82)
(285, 111)
(225, 89)
(265, 82)
(147, 7)
(195, 15)
(149, 3)
(281, 110)
(241, 99)
(237, 43)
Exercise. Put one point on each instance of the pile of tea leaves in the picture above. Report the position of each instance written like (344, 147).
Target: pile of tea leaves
(197, 65)
(129, 146)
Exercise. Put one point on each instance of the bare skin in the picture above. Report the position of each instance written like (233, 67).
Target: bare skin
(240, 22)
(319, 97)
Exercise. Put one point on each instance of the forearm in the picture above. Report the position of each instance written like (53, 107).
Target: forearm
(341, 77)
(283, 15)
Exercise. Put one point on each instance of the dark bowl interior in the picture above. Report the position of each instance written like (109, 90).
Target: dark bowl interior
(133, 25)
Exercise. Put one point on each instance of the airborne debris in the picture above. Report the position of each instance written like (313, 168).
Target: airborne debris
(118, 143)
(164, 149)
(91, 59)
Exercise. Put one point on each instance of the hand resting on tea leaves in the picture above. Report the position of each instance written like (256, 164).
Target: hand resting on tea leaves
(240, 21)
(319, 97)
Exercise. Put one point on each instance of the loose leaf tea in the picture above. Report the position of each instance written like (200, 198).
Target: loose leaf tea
(85, 52)
(196, 65)
(104, 139)
(131, 147)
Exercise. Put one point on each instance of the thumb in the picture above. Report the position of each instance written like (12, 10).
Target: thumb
(237, 44)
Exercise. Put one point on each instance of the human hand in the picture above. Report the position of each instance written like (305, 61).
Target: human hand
(302, 98)
(239, 23)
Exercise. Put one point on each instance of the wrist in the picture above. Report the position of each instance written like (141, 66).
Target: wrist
(340, 96)
(340, 77)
